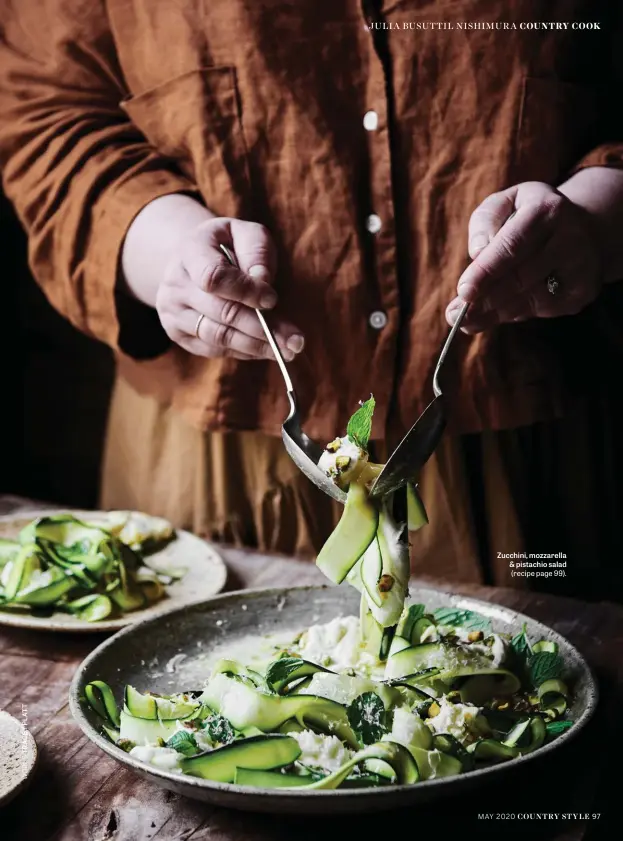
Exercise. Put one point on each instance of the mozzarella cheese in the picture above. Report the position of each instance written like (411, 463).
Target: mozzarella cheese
(347, 449)
(320, 751)
(165, 758)
(463, 721)
(336, 644)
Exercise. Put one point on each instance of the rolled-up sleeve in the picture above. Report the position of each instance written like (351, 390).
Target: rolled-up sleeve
(75, 168)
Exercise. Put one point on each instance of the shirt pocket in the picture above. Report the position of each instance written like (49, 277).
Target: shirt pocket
(558, 125)
(195, 120)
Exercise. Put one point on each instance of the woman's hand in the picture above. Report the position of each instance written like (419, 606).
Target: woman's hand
(549, 237)
(206, 305)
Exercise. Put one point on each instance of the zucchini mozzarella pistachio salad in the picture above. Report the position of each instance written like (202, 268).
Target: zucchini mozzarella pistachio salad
(94, 570)
(398, 695)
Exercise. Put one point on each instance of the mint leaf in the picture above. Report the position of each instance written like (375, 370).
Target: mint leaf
(369, 718)
(360, 425)
(219, 729)
(183, 742)
(545, 666)
(521, 644)
(283, 671)
(554, 728)
(464, 618)
(415, 612)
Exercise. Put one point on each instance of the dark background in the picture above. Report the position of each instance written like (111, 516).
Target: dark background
(55, 388)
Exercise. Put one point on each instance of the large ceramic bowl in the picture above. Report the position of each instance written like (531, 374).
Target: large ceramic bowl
(171, 652)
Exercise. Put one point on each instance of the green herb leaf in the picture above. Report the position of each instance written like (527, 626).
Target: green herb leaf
(279, 671)
(183, 742)
(415, 612)
(545, 666)
(284, 670)
(369, 718)
(463, 618)
(219, 729)
(556, 727)
(360, 425)
(521, 644)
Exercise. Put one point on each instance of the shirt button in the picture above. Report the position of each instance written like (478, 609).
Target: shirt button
(378, 320)
(371, 121)
(373, 223)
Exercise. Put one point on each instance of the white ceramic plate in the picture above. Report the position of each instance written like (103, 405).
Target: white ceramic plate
(18, 757)
(205, 577)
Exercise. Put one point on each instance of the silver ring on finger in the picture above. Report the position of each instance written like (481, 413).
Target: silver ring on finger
(198, 325)
(553, 284)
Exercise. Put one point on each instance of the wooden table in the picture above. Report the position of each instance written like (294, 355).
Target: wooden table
(80, 794)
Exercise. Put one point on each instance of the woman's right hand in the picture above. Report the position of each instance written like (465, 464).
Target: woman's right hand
(200, 281)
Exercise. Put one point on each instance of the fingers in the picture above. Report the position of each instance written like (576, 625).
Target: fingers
(202, 281)
(233, 314)
(227, 337)
(537, 211)
(210, 270)
(487, 220)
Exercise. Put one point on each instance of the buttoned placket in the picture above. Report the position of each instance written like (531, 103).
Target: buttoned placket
(379, 221)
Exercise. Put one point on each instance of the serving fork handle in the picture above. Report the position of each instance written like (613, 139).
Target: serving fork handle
(269, 337)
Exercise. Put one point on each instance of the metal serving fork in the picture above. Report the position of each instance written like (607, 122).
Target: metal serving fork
(409, 456)
(304, 452)
(420, 442)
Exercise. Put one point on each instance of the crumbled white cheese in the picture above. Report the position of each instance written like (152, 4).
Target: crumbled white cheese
(347, 449)
(336, 644)
(320, 751)
(343, 689)
(204, 742)
(463, 721)
(165, 758)
(409, 730)
(496, 651)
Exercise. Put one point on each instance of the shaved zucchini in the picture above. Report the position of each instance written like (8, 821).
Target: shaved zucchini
(493, 751)
(371, 569)
(139, 705)
(398, 644)
(91, 608)
(16, 571)
(351, 537)
(416, 512)
(514, 736)
(483, 684)
(416, 658)
(44, 588)
(145, 730)
(8, 550)
(158, 707)
(259, 753)
(394, 754)
(100, 697)
(538, 732)
(243, 706)
(269, 779)
(281, 673)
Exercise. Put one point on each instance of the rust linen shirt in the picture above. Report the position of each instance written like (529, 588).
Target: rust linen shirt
(359, 134)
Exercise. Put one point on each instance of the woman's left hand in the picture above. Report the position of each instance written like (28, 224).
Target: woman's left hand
(543, 263)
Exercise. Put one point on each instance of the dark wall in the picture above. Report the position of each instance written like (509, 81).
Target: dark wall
(55, 388)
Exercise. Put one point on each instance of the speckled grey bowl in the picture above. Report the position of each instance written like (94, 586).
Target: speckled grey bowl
(147, 655)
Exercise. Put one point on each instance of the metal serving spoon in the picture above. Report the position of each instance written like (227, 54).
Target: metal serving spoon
(419, 443)
(304, 452)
